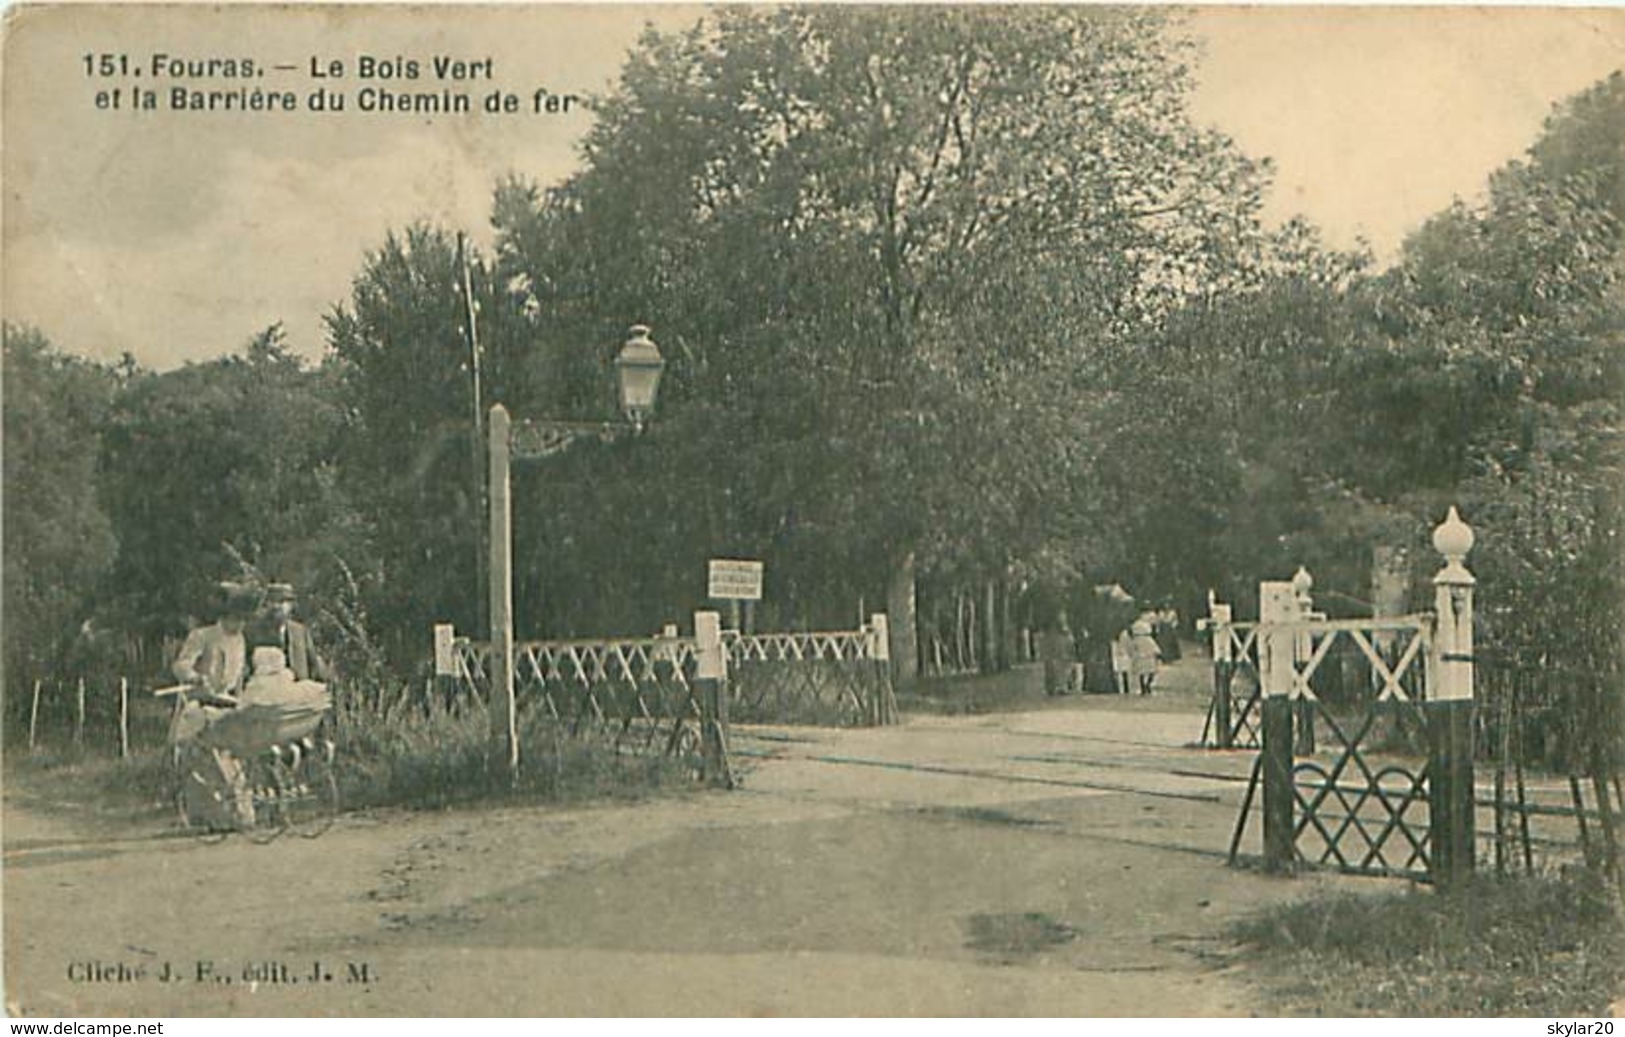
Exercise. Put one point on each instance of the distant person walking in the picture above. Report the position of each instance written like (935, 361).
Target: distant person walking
(1143, 655)
(1056, 646)
(1167, 634)
(1122, 661)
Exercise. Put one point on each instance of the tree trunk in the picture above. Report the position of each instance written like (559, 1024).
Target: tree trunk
(903, 624)
(990, 627)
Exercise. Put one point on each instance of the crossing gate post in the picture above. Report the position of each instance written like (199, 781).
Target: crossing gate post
(1219, 618)
(710, 677)
(1277, 606)
(1450, 709)
(1303, 585)
(880, 652)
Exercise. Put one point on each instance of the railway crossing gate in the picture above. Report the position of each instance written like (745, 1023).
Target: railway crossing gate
(1363, 726)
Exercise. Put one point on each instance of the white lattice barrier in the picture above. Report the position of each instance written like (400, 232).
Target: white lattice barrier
(840, 677)
(637, 691)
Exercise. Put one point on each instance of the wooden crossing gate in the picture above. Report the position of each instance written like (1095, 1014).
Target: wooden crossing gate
(648, 694)
(1364, 727)
(638, 694)
(840, 678)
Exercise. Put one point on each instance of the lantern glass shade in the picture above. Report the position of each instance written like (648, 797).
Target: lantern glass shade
(638, 369)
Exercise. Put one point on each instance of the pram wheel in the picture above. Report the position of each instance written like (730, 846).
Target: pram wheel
(294, 788)
(316, 804)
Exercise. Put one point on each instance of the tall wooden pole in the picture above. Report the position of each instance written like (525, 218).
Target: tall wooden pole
(471, 330)
(79, 721)
(504, 719)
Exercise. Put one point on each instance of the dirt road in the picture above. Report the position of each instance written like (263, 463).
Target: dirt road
(1061, 861)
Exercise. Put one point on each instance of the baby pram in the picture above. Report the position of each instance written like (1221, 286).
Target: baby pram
(259, 764)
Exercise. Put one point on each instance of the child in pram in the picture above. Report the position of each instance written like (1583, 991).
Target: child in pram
(216, 732)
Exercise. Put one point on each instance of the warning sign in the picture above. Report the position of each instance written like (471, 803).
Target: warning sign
(733, 579)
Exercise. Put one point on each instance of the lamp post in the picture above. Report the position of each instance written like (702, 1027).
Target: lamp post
(638, 369)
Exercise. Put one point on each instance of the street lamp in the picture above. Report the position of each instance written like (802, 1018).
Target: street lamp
(637, 369)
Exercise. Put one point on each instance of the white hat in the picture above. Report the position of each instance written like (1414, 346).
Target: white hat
(269, 662)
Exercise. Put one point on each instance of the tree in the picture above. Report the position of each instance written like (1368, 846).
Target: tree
(411, 455)
(59, 542)
(213, 461)
(894, 252)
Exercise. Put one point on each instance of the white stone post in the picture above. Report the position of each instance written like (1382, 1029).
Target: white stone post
(710, 684)
(1219, 618)
(1277, 611)
(1450, 708)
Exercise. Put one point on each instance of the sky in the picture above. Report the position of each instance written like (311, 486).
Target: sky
(177, 235)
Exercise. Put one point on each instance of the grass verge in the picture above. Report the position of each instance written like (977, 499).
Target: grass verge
(434, 758)
(1545, 946)
(405, 757)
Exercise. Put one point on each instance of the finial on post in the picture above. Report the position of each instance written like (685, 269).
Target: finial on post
(1303, 586)
(1454, 539)
(1453, 604)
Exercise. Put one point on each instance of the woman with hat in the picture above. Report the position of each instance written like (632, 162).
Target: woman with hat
(214, 663)
(214, 659)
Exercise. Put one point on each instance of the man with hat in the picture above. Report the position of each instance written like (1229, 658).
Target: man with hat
(275, 627)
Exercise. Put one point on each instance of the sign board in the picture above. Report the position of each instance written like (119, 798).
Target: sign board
(734, 579)
(445, 657)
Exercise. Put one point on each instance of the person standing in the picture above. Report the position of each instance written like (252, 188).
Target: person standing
(1057, 649)
(1122, 660)
(214, 659)
(213, 663)
(1143, 652)
(275, 627)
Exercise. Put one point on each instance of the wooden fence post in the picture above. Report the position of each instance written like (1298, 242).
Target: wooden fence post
(710, 677)
(79, 721)
(123, 718)
(1276, 608)
(33, 716)
(1450, 709)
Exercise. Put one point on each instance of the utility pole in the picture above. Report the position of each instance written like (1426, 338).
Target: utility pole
(471, 332)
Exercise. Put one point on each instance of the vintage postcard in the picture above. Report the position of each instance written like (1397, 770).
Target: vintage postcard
(958, 510)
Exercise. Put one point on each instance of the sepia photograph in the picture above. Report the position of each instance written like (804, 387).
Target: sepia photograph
(775, 510)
